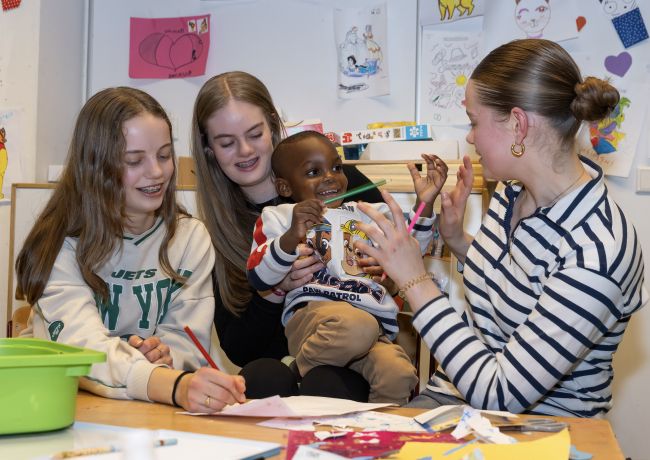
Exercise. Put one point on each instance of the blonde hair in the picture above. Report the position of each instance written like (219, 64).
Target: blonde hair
(88, 203)
(540, 76)
(221, 203)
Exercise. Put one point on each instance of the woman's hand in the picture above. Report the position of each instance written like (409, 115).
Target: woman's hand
(210, 390)
(453, 210)
(153, 349)
(302, 270)
(395, 250)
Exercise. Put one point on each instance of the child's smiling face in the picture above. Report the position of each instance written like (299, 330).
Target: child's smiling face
(315, 171)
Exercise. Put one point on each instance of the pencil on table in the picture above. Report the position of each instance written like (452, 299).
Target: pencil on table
(106, 449)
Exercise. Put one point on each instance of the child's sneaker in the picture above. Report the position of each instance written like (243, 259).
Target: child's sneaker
(290, 362)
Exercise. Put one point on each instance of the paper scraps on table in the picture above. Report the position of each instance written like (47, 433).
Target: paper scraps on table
(473, 423)
(445, 417)
(367, 421)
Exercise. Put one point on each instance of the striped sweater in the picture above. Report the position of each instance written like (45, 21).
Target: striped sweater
(545, 308)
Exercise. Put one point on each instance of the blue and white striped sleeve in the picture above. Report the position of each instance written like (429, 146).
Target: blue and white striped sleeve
(577, 308)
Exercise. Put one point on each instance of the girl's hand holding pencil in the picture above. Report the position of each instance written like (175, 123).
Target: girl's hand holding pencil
(208, 389)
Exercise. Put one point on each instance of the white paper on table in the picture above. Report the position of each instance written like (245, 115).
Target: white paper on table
(368, 421)
(472, 422)
(427, 416)
(91, 435)
(311, 453)
(298, 406)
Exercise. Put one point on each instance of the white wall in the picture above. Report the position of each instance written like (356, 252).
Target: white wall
(630, 416)
(18, 90)
(42, 71)
(61, 79)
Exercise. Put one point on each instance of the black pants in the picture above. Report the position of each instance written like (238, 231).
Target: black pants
(268, 377)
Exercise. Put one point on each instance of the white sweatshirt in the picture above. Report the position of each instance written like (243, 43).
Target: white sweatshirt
(143, 301)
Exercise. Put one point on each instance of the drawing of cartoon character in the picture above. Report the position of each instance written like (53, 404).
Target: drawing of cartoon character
(4, 159)
(191, 25)
(352, 64)
(605, 134)
(532, 16)
(351, 46)
(374, 50)
(618, 7)
(447, 7)
(318, 238)
(351, 255)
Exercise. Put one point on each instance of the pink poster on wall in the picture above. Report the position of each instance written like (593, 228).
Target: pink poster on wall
(169, 47)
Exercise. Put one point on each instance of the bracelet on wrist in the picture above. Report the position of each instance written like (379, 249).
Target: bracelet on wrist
(176, 382)
(412, 282)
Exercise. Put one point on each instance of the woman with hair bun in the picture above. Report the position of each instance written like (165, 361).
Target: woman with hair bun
(554, 273)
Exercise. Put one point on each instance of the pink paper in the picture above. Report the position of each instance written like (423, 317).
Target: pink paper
(169, 47)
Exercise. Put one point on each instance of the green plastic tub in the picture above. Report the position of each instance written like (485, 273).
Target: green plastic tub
(38, 383)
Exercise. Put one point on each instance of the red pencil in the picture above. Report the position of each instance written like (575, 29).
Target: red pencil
(200, 347)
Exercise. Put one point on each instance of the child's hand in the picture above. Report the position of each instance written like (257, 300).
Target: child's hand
(427, 188)
(387, 283)
(306, 214)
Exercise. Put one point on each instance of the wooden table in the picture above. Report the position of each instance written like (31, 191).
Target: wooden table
(589, 435)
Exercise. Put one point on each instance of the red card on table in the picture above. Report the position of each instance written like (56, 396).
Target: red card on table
(362, 443)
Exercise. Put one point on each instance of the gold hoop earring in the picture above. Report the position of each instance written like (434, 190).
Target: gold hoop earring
(517, 150)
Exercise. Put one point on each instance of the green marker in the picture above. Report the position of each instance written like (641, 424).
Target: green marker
(354, 191)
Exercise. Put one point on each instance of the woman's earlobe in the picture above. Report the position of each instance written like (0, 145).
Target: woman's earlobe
(208, 151)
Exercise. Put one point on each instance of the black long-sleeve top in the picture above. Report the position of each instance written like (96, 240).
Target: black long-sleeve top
(258, 332)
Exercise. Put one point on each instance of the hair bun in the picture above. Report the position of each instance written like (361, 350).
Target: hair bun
(595, 99)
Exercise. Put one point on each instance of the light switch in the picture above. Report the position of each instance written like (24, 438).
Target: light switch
(643, 179)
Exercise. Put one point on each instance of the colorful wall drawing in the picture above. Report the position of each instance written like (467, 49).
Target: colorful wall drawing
(441, 11)
(4, 159)
(169, 47)
(605, 135)
(613, 142)
(627, 19)
(447, 61)
(11, 148)
(512, 19)
(361, 38)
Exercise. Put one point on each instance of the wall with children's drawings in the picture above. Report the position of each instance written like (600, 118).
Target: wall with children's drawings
(290, 45)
